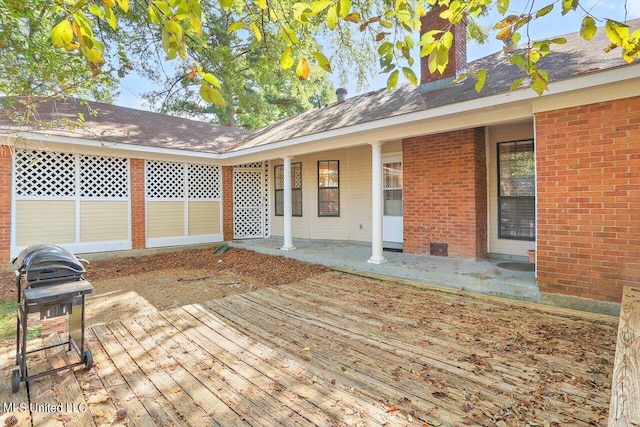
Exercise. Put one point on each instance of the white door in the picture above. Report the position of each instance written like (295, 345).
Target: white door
(392, 194)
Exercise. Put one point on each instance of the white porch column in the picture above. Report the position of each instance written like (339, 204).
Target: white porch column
(288, 210)
(376, 204)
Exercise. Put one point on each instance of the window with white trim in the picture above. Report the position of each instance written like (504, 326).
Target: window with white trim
(296, 189)
(516, 190)
(329, 188)
(392, 188)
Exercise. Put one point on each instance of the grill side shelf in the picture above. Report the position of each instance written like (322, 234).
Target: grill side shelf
(44, 294)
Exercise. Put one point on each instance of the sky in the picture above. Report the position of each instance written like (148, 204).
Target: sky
(554, 24)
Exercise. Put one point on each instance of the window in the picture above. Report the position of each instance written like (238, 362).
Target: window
(516, 191)
(392, 186)
(329, 188)
(296, 189)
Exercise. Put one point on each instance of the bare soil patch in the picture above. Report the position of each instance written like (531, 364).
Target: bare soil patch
(127, 287)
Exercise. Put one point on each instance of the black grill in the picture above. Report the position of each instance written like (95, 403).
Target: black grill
(50, 281)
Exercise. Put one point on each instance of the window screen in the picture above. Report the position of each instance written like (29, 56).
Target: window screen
(516, 190)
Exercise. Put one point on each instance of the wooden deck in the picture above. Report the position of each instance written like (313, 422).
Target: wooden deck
(336, 350)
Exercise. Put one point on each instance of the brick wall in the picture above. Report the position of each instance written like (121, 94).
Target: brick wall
(445, 192)
(588, 205)
(138, 215)
(6, 161)
(457, 53)
(227, 202)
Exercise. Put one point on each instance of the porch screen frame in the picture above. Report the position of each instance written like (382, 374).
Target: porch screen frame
(517, 197)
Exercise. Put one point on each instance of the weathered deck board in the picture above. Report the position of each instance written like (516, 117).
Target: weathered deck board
(339, 349)
(625, 390)
(291, 377)
(13, 404)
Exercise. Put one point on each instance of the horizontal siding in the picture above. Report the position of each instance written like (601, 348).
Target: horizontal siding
(165, 219)
(49, 221)
(102, 221)
(354, 222)
(497, 134)
(204, 218)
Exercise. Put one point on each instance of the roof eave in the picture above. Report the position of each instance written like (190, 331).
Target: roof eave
(594, 79)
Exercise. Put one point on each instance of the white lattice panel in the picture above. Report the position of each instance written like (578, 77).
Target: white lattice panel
(255, 165)
(44, 174)
(248, 204)
(297, 176)
(267, 200)
(204, 182)
(104, 177)
(164, 180)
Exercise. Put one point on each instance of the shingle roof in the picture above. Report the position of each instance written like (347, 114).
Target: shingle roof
(129, 126)
(123, 125)
(576, 57)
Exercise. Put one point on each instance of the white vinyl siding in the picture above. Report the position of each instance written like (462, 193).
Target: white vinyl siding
(70, 199)
(182, 203)
(354, 222)
(34, 219)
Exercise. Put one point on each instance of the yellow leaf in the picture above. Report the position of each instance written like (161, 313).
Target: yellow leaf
(62, 34)
(211, 79)
(322, 61)
(303, 69)
(235, 27)
(256, 31)
(344, 7)
(109, 3)
(124, 5)
(481, 77)
(332, 17)
(262, 4)
(211, 95)
(286, 60)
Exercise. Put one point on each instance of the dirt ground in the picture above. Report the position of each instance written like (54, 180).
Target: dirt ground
(126, 287)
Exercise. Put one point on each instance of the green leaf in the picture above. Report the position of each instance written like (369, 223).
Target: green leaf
(301, 12)
(544, 11)
(211, 95)
(516, 83)
(559, 40)
(410, 75)
(588, 28)
(62, 34)
(225, 4)
(96, 10)
(569, 5)
(385, 48)
(286, 60)
(174, 29)
(164, 8)
(503, 6)
(481, 77)
(392, 80)
(235, 27)
(110, 17)
(303, 69)
(344, 7)
(322, 61)
(256, 31)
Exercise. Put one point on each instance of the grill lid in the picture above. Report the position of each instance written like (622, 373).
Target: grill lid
(48, 262)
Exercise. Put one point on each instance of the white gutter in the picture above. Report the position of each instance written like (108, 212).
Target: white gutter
(109, 144)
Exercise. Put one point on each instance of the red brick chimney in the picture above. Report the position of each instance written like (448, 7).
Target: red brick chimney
(457, 53)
